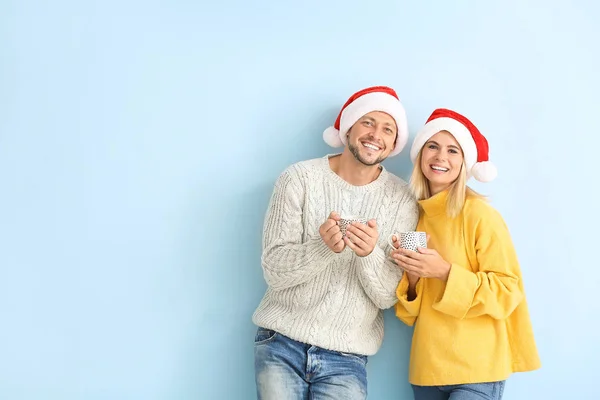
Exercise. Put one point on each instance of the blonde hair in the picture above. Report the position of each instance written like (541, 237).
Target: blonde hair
(458, 191)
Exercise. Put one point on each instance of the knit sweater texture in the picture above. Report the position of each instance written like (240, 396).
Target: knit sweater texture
(475, 327)
(314, 295)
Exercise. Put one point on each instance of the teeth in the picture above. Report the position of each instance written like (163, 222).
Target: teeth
(439, 168)
(370, 146)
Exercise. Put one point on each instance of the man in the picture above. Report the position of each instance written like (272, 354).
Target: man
(321, 315)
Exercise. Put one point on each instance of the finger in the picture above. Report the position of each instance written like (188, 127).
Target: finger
(332, 228)
(334, 216)
(425, 250)
(411, 269)
(328, 224)
(406, 267)
(415, 255)
(357, 240)
(370, 231)
(333, 236)
(329, 234)
(372, 223)
(400, 262)
(394, 252)
(338, 246)
(395, 242)
(349, 243)
(407, 260)
(402, 253)
(357, 231)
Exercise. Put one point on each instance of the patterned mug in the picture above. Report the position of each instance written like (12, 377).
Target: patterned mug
(409, 240)
(345, 221)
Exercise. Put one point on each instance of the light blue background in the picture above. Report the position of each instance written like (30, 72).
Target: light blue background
(139, 144)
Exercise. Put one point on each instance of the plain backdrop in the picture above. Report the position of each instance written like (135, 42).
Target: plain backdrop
(139, 145)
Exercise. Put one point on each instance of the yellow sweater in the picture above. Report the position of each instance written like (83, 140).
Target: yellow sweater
(475, 327)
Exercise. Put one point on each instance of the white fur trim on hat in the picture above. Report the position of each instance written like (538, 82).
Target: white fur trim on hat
(376, 101)
(331, 136)
(458, 130)
(484, 171)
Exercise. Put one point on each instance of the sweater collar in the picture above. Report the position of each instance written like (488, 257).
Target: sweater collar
(435, 205)
(375, 185)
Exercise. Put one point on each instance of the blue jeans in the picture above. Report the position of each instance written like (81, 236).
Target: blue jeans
(472, 391)
(290, 370)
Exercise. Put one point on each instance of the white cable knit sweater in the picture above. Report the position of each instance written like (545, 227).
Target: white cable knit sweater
(315, 296)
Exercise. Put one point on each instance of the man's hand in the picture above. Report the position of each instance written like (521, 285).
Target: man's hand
(331, 234)
(362, 238)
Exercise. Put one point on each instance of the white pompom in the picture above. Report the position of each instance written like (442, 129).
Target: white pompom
(331, 136)
(484, 171)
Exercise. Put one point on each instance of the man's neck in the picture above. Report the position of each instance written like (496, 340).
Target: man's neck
(347, 167)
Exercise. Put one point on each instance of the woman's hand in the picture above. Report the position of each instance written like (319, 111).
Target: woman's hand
(423, 263)
(412, 278)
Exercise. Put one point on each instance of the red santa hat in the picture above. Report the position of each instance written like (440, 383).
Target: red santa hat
(474, 145)
(376, 98)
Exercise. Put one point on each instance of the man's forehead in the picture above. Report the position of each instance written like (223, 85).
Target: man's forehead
(371, 117)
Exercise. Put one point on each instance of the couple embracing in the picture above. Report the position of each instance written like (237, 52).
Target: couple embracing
(329, 278)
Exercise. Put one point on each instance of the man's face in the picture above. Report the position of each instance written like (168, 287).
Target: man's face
(372, 138)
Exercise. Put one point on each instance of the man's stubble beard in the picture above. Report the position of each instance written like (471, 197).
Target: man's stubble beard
(354, 150)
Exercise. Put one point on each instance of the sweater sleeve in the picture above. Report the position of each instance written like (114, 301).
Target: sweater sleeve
(408, 310)
(379, 278)
(494, 289)
(286, 260)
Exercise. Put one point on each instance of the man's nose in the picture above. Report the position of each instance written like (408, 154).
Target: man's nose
(377, 132)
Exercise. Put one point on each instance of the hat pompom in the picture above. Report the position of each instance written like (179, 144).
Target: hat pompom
(331, 136)
(484, 171)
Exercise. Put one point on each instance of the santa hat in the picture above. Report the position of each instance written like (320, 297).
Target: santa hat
(474, 145)
(376, 98)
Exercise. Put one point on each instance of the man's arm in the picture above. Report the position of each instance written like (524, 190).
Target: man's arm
(379, 277)
(286, 261)
(378, 274)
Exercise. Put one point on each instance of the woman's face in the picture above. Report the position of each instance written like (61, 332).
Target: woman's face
(441, 161)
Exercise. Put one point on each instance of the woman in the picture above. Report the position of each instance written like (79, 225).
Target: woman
(464, 293)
